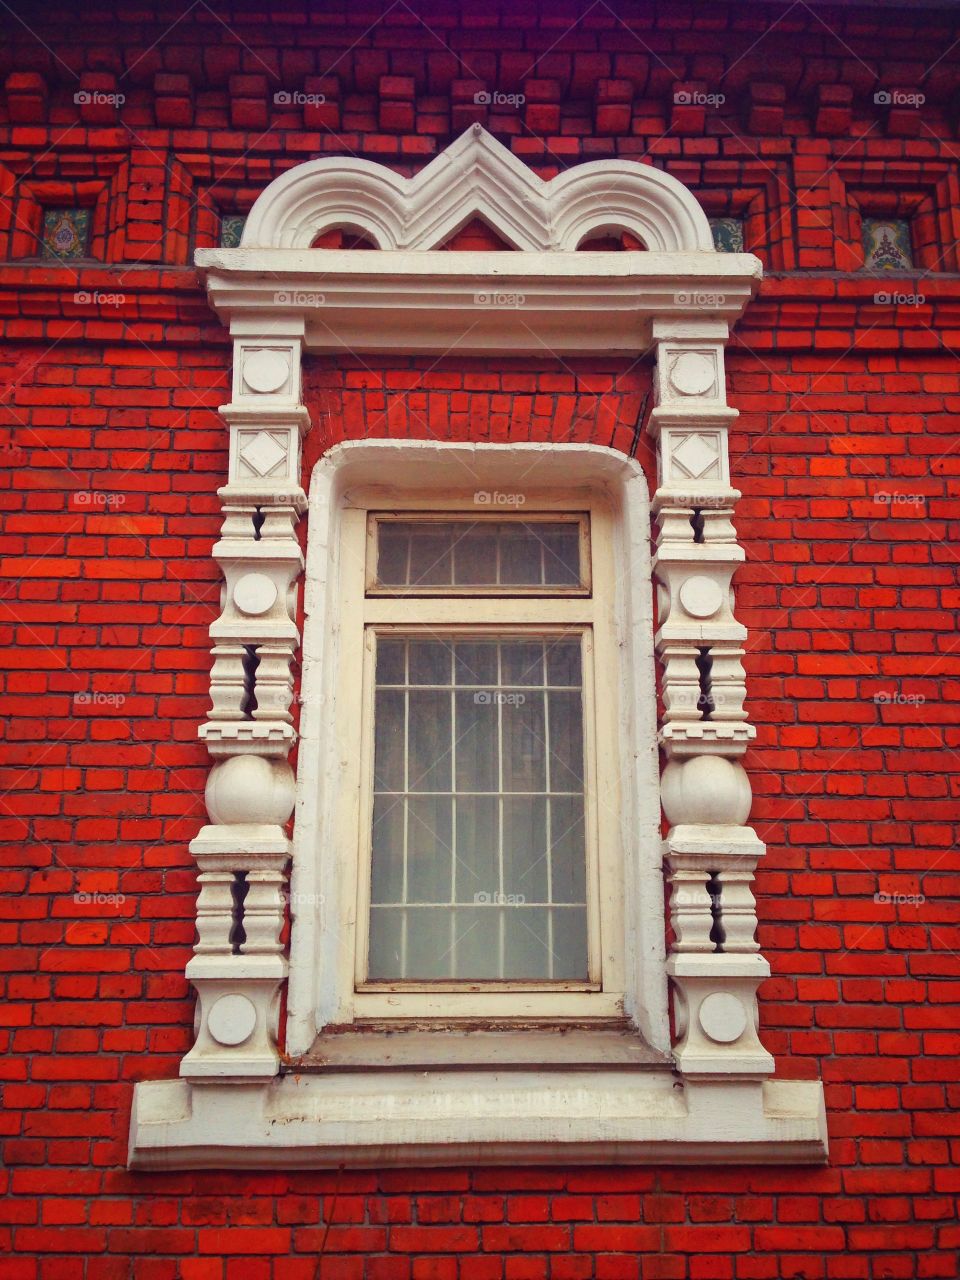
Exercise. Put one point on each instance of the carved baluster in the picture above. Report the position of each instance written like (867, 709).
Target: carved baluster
(690, 906)
(681, 684)
(215, 912)
(263, 911)
(274, 682)
(738, 907)
(728, 683)
(228, 683)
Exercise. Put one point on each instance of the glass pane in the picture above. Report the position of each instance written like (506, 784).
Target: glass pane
(477, 942)
(479, 854)
(527, 942)
(429, 945)
(477, 867)
(465, 553)
(428, 766)
(475, 662)
(393, 546)
(430, 662)
(386, 883)
(567, 850)
(386, 943)
(561, 555)
(388, 752)
(566, 740)
(568, 942)
(431, 554)
(429, 849)
(477, 742)
(475, 556)
(523, 662)
(521, 555)
(523, 739)
(563, 662)
(525, 847)
(391, 662)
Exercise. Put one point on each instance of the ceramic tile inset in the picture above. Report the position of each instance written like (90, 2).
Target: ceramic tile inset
(886, 245)
(727, 234)
(231, 230)
(66, 234)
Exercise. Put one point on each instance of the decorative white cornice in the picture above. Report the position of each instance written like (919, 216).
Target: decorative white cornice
(410, 295)
(477, 177)
(477, 302)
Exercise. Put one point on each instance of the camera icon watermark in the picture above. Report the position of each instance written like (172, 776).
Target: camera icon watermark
(94, 97)
(899, 499)
(885, 299)
(696, 98)
(494, 498)
(497, 698)
(86, 298)
(898, 699)
(899, 899)
(98, 899)
(499, 299)
(685, 896)
(299, 298)
(699, 298)
(485, 98)
(496, 898)
(897, 98)
(99, 699)
(294, 98)
(96, 498)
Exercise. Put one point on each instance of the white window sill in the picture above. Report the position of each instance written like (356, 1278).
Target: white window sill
(469, 1048)
(372, 1119)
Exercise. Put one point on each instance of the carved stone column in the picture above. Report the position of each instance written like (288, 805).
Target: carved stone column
(711, 855)
(238, 965)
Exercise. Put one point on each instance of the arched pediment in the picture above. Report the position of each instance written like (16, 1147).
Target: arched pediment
(477, 177)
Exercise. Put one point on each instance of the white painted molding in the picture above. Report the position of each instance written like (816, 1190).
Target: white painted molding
(395, 468)
(375, 1120)
(469, 303)
(281, 299)
(476, 176)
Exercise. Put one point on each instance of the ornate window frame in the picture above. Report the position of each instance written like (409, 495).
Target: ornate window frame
(240, 1101)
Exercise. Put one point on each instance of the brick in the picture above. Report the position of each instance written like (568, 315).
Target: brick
(110, 453)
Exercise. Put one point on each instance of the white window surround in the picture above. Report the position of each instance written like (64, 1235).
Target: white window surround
(707, 1098)
(583, 472)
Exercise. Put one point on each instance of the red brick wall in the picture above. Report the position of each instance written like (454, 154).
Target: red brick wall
(846, 452)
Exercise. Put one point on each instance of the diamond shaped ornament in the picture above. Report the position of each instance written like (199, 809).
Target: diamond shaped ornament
(697, 455)
(263, 454)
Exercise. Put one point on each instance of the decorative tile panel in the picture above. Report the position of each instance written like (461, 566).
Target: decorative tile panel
(231, 229)
(66, 234)
(727, 234)
(887, 245)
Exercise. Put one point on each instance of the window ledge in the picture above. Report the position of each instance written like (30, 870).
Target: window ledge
(471, 1049)
(435, 1118)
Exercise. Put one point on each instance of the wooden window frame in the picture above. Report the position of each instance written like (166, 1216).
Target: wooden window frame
(376, 518)
(588, 610)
